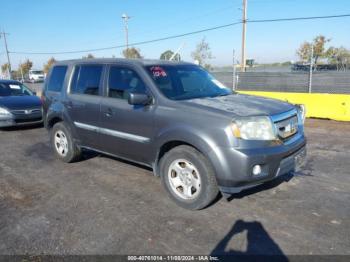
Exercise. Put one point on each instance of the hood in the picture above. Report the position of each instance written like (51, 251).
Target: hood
(20, 102)
(242, 105)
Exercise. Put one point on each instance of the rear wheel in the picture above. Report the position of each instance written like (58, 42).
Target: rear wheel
(63, 144)
(188, 177)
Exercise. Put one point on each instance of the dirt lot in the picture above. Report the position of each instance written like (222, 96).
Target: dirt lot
(103, 206)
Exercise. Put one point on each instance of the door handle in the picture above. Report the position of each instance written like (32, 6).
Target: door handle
(109, 112)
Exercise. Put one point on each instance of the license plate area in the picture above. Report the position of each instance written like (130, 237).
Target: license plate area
(292, 163)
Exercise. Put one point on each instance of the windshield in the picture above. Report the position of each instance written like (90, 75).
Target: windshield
(186, 82)
(14, 89)
(37, 72)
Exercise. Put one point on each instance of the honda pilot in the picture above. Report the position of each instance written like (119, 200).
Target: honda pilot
(198, 136)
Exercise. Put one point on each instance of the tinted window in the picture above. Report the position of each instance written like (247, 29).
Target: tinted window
(86, 79)
(186, 82)
(57, 78)
(122, 81)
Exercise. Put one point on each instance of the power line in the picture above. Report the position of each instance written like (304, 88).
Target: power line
(184, 21)
(297, 18)
(182, 35)
(134, 44)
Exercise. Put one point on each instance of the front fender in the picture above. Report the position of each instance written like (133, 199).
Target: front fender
(189, 135)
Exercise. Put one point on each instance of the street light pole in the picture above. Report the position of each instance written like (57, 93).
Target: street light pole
(244, 24)
(125, 17)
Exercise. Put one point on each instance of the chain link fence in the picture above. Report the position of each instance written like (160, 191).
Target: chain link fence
(335, 82)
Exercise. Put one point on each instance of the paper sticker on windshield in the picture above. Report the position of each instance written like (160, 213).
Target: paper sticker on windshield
(15, 87)
(219, 84)
(157, 71)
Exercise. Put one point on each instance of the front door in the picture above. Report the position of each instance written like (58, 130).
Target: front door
(126, 130)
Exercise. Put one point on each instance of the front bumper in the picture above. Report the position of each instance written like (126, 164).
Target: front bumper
(21, 121)
(234, 167)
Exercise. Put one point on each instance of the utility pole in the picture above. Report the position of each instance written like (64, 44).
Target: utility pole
(244, 24)
(125, 17)
(234, 72)
(311, 67)
(7, 53)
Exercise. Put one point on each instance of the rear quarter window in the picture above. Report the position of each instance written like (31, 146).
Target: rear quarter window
(57, 77)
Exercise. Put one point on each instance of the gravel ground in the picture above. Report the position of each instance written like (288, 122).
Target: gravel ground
(102, 205)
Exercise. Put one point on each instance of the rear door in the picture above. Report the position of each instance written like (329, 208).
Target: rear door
(126, 130)
(84, 101)
(53, 87)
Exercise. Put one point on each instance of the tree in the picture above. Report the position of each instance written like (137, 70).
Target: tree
(89, 56)
(26, 66)
(132, 52)
(339, 56)
(202, 53)
(168, 54)
(48, 64)
(318, 44)
(5, 68)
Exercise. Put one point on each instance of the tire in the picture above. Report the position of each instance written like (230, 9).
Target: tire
(185, 171)
(63, 144)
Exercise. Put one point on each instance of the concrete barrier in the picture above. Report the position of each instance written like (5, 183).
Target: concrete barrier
(329, 106)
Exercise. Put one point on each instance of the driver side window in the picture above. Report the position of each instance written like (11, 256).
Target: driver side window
(123, 80)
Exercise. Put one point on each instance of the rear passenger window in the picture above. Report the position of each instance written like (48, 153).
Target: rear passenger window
(56, 80)
(121, 81)
(86, 80)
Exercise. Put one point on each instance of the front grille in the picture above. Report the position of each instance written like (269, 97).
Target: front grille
(25, 112)
(288, 127)
(286, 124)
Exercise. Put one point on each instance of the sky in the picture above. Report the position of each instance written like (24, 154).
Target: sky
(65, 25)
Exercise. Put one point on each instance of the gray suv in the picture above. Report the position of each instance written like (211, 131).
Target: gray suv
(197, 135)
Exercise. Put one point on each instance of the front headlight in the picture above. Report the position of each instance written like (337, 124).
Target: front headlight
(253, 128)
(4, 112)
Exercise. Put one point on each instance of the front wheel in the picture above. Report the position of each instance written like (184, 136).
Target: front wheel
(188, 177)
(63, 143)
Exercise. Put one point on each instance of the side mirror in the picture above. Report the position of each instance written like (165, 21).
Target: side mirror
(139, 99)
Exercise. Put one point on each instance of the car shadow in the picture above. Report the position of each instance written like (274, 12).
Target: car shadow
(259, 243)
(89, 154)
(263, 187)
(307, 171)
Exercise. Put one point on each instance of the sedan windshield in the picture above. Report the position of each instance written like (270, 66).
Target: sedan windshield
(186, 82)
(14, 89)
(37, 72)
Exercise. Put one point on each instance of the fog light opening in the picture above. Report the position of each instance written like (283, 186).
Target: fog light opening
(256, 170)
